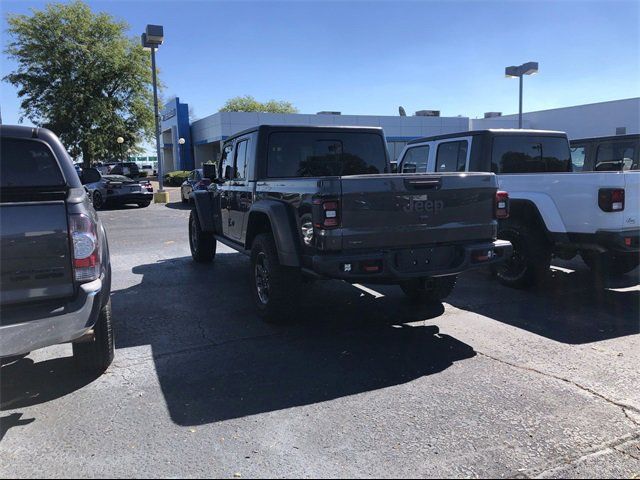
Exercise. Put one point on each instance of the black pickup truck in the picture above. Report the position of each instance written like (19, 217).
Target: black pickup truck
(322, 202)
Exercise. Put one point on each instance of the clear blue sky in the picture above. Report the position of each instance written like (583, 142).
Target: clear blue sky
(369, 57)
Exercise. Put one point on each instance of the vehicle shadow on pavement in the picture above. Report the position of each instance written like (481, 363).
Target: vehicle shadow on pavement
(13, 420)
(572, 307)
(179, 205)
(25, 383)
(216, 360)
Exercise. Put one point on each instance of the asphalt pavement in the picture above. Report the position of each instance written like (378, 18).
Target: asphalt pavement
(493, 383)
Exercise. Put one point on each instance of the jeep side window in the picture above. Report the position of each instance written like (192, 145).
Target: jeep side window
(452, 156)
(226, 161)
(241, 160)
(415, 160)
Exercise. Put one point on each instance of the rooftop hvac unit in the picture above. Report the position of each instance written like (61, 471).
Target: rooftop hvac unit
(324, 112)
(428, 113)
(492, 114)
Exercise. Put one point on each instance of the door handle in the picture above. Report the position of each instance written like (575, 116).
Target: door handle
(423, 184)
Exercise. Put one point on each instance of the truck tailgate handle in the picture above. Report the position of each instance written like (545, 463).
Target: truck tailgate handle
(423, 183)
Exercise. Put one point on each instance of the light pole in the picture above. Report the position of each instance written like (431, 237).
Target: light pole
(152, 38)
(529, 68)
(120, 141)
(180, 143)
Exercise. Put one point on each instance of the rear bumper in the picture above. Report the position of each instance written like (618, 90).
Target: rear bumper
(621, 241)
(130, 198)
(27, 328)
(403, 264)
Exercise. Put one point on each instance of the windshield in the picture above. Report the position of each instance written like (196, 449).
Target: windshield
(318, 154)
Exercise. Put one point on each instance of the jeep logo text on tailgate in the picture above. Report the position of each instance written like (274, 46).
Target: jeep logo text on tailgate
(423, 204)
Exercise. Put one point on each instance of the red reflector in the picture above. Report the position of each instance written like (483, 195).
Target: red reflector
(330, 222)
(627, 242)
(371, 268)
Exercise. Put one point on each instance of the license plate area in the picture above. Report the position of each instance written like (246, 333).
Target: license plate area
(424, 259)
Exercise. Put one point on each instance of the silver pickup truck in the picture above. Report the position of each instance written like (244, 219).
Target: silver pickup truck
(54, 258)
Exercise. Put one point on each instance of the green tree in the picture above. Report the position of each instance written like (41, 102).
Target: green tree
(250, 104)
(79, 75)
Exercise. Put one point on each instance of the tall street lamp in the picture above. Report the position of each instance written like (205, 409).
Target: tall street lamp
(120, 141)
(152, 38)
(529, 68)
(180, 143)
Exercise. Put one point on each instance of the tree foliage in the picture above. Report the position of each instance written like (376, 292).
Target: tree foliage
(79, 75)
(250, 104)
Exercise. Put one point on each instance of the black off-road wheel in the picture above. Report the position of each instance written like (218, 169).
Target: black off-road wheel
(274, 287)
(434, 289)
(95, 356)
(531, 257)
(202, 244)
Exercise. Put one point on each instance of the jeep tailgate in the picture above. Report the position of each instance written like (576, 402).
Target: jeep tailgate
(389, 211)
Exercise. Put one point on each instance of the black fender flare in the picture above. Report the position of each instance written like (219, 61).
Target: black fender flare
(208, 216)
(282, 228)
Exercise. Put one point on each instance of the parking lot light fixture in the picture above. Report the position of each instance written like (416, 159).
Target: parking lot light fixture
(529, 68)
(120, 141)
(152, 38)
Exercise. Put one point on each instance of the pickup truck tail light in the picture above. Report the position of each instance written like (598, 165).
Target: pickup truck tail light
(611, 199)
(86, 251)
(502, 205)
(329, 214)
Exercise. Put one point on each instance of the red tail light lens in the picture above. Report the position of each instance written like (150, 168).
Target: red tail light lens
(611, 199)
(86, 254)
(329, 214)
(502, 205)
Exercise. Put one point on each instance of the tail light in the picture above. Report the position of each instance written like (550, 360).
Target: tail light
(502, 205)
(329, 214)
(611, 199)
(86, 251)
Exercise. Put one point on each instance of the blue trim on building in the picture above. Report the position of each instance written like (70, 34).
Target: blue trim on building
(176, 115)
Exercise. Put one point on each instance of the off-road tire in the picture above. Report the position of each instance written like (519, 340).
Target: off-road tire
(95, 356)
(531, 257)
(274, 287)
(434, 289)
(144, 204)
(201, 243)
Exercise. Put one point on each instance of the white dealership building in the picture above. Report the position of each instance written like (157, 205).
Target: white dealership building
(203, 137)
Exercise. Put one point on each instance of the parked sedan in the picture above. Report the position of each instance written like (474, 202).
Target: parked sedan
(119, 190)
(195, 181)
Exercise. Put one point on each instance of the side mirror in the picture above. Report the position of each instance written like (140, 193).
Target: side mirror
(394, 167)
(227, 172)
(90, 175)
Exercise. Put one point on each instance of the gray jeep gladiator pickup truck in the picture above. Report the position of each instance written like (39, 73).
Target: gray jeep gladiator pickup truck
(321, 202)
(54, 258)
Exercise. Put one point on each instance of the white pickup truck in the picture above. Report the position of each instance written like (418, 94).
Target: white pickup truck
(554, 210)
